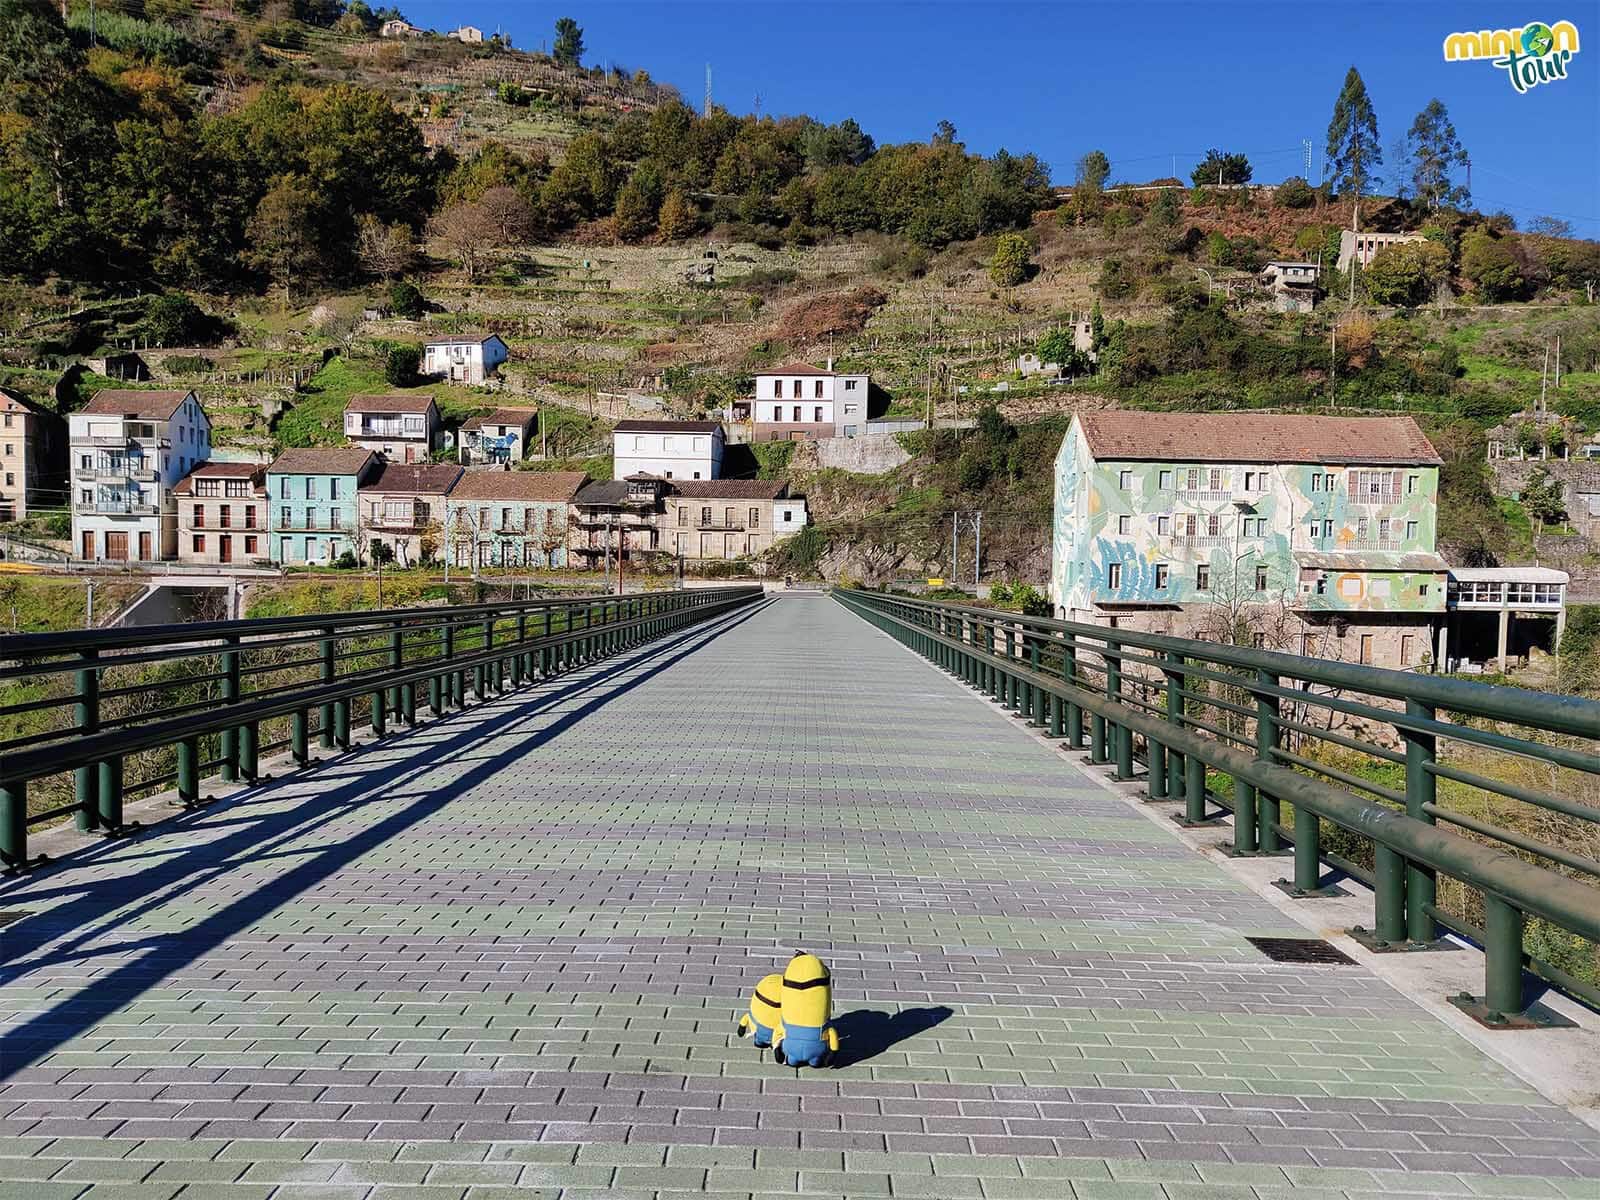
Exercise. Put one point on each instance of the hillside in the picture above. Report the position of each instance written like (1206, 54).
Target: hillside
(628, 247)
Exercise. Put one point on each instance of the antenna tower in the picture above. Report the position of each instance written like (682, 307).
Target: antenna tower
(707, 110)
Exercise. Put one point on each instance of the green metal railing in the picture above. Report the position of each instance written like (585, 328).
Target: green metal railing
(92, 717)
(1358, 753)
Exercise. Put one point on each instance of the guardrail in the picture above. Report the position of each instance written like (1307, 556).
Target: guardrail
(93, 716)
(1358, 749)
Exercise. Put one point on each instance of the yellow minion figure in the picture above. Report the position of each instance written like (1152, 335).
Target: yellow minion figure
(766, 1006)
(806, 1034)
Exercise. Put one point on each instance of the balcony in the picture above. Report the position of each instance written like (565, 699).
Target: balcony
(311, 525)
(115, 508)
(720, 526)
(1375, 544)
(411, 522)
(387, 429)
(210, 523)
(1200, 541)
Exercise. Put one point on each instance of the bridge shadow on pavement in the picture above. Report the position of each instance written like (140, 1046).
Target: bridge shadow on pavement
(103, 904)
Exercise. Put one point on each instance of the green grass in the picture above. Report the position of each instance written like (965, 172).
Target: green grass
(1518, 526)
(41, 604)
(316, 417)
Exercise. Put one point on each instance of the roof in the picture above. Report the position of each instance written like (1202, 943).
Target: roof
(461, 339)
(321, 461)
(796, 369)
(1277, 262)
(390, 403)
(728, 489)
(502, 416)
(127, 402)
(492, 483)
(414, 478)
(1359, 560)
(220, 470)
(1509, 575)
(606, 491)
(648, 426)
(1255, 438)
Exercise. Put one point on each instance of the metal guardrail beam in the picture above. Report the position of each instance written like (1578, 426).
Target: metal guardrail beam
(1154, 689)
(196, 696)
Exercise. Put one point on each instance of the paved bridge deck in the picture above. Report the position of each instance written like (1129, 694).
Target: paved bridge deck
(502, 955)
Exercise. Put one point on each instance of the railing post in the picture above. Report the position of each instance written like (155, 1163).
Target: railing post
(111, 795)
(1422, 788)
(188, 772)
(230, 695)
(1389, 895)
(1121, 735)
(1069, 671)
(545, 655)
(300, 738)
(458, 677)
(14, 826)
(1502, 950)
(1268, 813)
(480, 673)
(521, 672)
(249, 742)
(86, 778)
(1175, 676)
(1035, 696)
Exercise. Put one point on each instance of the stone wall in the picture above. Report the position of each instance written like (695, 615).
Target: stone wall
(870, 454)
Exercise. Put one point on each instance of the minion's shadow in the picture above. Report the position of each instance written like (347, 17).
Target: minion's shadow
(867, 1032)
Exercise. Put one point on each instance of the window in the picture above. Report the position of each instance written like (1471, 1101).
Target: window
(1322, 585)
(1190, 523)
(727, 516)
(1327, 529)
(777, 388)
(1316, 482)
(1366, 648)
(1125, 479)
(1407, 643)
(683, 515)
(1192, 479)
(755, 518)
(8, 420)
(638, 443)
(1163, 525)
(1383, 529)
(335, 519)
(1411, 531)
(250, 544)
(1202, 577)
(849, 409)
(667, 475)
(1162, 573)
(816, 391)
(224, 516)
(1249, 481)
(1363, 529)
(797, 391)
(797, 411)
(1261, 578)
(816, 414)
(505, 518)
(285, 517)
(1124, 524)
(1216, 479)
(199, 543)
(849, 385)
(283, 488)
(1114, 576)
(705, 516)
(85, 462)
(697, 474)
(1164, 480)
(333, 489)
(1411, 487)
(311, 489)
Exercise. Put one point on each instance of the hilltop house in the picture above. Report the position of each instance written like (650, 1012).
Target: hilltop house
(1363, 246)
(33, 457)
(401, 428)
(313, 503)
(402, 508)
(1293, 285)
(502, 436)
(667, 449)
(511, 518)
(1315, 534)
(469, 360)
(128, 449)
(398, 27)
(800, 402)
(222, 513)
(471, 35)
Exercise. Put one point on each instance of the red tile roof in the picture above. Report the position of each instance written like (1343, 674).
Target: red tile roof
(728, 489)
(1254, 438)
(414, 478)
(321, 461)
(492, 483)
(796, 369)
(129, 402)
(518, 417)
(222, 470)
(390, 403)
(646, 426)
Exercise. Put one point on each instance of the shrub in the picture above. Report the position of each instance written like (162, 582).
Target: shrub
(406, 300)
(400, 366)
(1013, 258)
(1294, 192)
(173, 320)
(186, 364)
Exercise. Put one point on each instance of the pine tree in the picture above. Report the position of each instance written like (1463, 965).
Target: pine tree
(1354, 151)
(1435, 149)
(1097, 327)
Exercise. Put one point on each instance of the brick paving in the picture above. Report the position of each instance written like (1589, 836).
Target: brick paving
(502, 956)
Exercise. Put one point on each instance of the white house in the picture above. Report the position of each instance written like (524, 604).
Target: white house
(501, 436)
(1363, 246)
(470, 34)
(398, 27)
(128, 451)
(667, 449)
(401, 428)
(469, 360)
(800, 402)
(788, 515)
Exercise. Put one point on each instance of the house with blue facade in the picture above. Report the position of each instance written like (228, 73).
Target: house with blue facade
(502, 518)
(311, 502)
(1310, 534)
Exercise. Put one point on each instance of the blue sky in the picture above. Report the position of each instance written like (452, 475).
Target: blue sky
(1145, 81)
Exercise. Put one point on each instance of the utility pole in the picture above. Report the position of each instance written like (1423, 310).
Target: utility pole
(977, 549)
(955, 545)
(610, 520)
(1544, 377)
(1333, 360)
(1558, 362)
(88, 605)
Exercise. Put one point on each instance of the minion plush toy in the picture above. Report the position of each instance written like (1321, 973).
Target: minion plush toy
(806, 1033)
(765, 1009)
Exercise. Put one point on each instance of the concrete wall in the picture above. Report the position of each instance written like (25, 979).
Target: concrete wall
(870, 454)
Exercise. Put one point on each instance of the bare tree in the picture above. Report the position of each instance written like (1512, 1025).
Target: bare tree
(387, 251)
(506, 210)
(465, 232)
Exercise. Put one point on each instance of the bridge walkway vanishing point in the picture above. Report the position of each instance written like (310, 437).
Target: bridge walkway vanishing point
(502, 955)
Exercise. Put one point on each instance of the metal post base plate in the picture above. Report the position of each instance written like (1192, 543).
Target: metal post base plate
(1214, 819)
(1229, 849)
(1535, 1016)
(1287, 887)
(1368, 940)
(125, 830)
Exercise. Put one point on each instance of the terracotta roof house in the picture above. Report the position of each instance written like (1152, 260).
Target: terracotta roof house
(667, 449)
(400, 427)
(401, 507)
(1252, 437)
(501, 518)
(503, 436)
(312, 496)
(222, 514)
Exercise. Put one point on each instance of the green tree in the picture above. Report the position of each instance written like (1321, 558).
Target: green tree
(1092, 170)
(1164, 213)
(173, 320)
(944, 134)
(400, 366)
(1218, 168)
(568, 48)
(1543, 499)
(1435, 152)
(406, 300)
(1097, 327)
(1492, 266)
(1013, 257)
(283, 233)
(677, 218)
(1294, 192)
(1406, 275)
(1354, 152)
(635, 215)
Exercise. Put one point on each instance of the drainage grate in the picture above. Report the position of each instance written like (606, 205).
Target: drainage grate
(1302, 950)
(15, 914)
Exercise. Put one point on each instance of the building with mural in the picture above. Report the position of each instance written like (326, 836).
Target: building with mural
(1313, 535)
